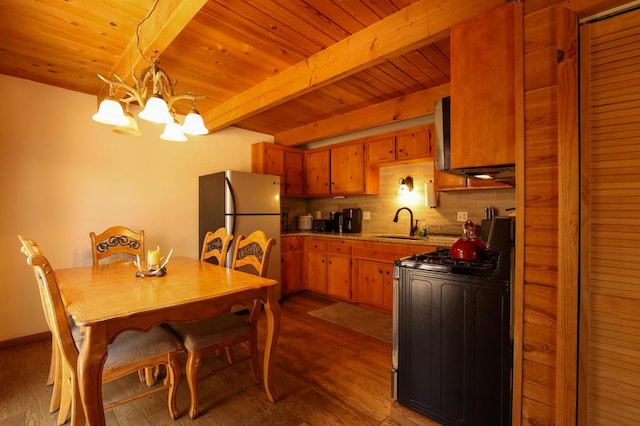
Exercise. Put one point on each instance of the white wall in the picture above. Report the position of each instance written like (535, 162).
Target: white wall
(62, 175)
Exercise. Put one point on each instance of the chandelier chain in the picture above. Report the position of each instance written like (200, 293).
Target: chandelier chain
(154, 58)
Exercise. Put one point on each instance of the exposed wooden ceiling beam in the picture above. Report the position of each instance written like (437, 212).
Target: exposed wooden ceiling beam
(403, 108)
(417, 25)
(156, 33)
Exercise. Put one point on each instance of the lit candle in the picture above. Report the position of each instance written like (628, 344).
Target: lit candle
(153, 258)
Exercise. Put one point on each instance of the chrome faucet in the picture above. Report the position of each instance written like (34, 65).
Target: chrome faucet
(412, 229)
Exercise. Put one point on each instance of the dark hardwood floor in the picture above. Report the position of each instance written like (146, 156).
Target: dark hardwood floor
(324, 375)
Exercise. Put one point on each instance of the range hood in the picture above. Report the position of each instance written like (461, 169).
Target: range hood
(501, 173)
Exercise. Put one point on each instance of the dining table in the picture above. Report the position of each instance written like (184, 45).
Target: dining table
(108, 299)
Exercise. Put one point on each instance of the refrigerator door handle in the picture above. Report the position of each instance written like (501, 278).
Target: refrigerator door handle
(233, 204)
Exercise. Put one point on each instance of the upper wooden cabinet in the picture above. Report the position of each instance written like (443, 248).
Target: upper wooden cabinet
(282, 161)
(381, 149)
(486, 77)
(293, 163)
(415, 143)
(317, 175)
(347, 169)
(401, 146)
(339, 170)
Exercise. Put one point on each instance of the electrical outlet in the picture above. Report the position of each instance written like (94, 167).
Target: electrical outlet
(366, 215)
(462, 216)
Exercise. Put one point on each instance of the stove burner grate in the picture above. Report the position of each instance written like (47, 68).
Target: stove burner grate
(440, 260)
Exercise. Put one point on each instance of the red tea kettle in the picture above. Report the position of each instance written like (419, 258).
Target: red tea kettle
(468, 247)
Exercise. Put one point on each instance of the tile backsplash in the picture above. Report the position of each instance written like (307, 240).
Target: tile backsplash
(382, 207)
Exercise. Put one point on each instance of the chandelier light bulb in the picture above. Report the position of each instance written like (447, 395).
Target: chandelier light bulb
(110, 112)
(173, 132)
(156, 110)
(194, 125)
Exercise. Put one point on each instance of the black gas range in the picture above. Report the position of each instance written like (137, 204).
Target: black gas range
(441, 261)
(451, 349)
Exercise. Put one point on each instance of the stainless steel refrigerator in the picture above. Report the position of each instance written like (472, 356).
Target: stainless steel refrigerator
(241, 202)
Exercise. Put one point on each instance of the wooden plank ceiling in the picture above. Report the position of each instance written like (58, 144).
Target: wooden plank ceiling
(287, 68)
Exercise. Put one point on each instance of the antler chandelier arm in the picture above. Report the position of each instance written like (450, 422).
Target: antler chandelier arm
(132, 92)
(176, 98)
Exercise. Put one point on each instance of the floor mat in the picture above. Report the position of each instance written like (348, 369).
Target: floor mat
(367, 321)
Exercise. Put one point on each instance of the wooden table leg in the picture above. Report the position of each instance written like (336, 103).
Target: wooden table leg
(272, 311)
(90, 362)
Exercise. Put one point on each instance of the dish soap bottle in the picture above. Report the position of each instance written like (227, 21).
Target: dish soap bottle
(423, 232)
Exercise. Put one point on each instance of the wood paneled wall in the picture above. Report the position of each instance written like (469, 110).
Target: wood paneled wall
(545, 376)
(536, 328)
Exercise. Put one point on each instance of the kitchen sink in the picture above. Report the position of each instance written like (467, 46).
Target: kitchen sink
(399, 237)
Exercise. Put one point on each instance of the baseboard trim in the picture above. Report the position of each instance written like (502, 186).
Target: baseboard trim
(6, 344)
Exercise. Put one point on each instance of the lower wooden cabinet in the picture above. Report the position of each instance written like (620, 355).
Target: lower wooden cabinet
(339, 270)
(328, 267)
(375, 284)
(355, 271)
(372, 282)
(291, 265)
(315, 265)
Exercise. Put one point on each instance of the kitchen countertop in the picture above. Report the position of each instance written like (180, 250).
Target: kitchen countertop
(440, 241)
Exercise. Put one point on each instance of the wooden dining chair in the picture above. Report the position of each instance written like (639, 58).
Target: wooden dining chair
(30, 247)
(116, 243)
(131, 350)
(215, 246)
(227, 329)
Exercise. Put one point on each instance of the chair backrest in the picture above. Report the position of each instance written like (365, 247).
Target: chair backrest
(52, 304)
(31, 248)
(252, 253)
(117, 240)
(215, 246)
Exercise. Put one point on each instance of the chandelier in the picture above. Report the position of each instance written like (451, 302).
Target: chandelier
(153, 91)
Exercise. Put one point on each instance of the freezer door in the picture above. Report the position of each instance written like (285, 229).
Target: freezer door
(252, 193)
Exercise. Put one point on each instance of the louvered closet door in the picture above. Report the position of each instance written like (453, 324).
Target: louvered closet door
(609, 361)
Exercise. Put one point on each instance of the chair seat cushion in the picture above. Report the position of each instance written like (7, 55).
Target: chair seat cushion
(131, 347)
(211, 331)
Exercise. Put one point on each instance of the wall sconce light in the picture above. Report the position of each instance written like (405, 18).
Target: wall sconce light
(406, 185)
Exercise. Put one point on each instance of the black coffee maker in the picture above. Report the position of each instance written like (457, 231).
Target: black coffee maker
(352, 220)
(334, 224)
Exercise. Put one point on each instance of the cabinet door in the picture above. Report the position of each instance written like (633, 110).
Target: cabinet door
(267, 158)
(316, 172)
(293, 173)
(371, 283)
(381, 149)
(274, 160)
(415, 144)
(387, 287)
(339, 276)
(291, 267)
(347, 169)
(315, 252)
(483, 88)
(291, 271)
